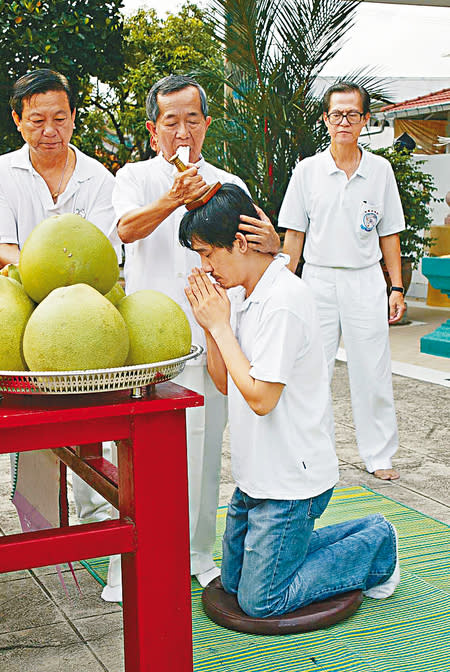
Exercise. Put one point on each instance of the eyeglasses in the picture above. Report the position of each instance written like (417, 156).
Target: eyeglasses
(336, 118)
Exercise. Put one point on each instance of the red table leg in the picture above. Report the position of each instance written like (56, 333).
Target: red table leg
(156, 578)
(153, 533)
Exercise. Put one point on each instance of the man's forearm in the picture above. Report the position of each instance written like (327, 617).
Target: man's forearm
(9, 254)
(141, 222)
(390, 249)
(262, 397)
(216, 366)
(293, 246)
(211, 308)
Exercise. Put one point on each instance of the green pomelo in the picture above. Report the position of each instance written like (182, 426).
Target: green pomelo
(75, 328)
(15, 310)
(158, 327)
(67, 250)
(115, 294)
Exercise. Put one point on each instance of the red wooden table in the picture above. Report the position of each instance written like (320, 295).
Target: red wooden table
(152, 532)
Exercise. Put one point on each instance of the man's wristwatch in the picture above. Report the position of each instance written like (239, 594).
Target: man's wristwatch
(398, 289)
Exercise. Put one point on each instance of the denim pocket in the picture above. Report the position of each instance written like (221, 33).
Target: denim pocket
(318, 504)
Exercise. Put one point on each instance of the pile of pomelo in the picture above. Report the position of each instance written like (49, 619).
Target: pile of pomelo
(63, 308)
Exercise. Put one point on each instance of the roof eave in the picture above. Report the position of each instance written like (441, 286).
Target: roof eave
(412, 111)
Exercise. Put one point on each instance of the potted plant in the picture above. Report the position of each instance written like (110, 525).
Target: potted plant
(416, 190)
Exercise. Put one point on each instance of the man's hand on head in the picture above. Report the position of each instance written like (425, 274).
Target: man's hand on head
(209, 301)
(187, 186)
(261, 235)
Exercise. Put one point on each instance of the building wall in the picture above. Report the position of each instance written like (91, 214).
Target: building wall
(438, 165)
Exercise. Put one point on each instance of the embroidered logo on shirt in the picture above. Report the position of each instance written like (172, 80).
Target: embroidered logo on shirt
(80, 211)
(370, 217)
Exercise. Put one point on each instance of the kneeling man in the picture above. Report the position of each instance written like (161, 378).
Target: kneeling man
(265, 351)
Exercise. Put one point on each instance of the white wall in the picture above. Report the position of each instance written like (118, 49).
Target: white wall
(437, 165)
(376, 140)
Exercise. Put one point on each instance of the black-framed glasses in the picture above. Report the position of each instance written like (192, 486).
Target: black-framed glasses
(352, 117)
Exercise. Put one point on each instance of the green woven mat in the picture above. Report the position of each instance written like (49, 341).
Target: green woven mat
(409, 632)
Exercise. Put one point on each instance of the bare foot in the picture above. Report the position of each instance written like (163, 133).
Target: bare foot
(386, 474)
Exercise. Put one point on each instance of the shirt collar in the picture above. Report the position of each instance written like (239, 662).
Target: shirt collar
(332, 167)
(83, 168)
(21, 158)
(265, 282)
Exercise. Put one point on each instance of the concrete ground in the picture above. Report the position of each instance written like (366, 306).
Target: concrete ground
(43, 630)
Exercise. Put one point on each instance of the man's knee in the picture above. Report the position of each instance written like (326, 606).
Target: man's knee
(256, 602)
(252, 606)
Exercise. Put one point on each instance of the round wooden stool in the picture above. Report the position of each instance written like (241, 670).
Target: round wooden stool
(223, 609)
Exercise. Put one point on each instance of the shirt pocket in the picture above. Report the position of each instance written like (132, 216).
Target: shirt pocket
(369, 216)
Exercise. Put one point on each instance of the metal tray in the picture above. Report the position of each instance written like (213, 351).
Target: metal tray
(95, 380)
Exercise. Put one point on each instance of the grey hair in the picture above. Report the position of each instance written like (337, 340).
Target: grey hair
(345, 86)
(170, 84)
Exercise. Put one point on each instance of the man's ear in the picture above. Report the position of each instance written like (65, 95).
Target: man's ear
(16, 118)
(151, 127)
(241, 242)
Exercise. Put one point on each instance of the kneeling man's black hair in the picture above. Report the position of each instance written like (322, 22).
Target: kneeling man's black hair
(217, 222)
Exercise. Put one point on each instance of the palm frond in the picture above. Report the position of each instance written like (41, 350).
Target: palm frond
(265, 106)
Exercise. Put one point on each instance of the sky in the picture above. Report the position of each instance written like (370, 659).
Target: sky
(397, 40)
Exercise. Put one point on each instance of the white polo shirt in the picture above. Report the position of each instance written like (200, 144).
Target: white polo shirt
(159, 261)
(343, 218)
(25, 198)
(286, 454)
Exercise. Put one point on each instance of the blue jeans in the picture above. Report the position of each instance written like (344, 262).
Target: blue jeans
(275, 562)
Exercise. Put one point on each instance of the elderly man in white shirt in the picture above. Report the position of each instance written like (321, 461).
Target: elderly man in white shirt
(343, 205)
(149, 198)
(49, 176)
(25, 199)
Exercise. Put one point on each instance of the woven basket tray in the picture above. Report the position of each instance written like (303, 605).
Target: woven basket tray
(94, 380)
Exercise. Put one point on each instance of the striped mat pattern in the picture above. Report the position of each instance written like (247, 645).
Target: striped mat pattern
(409, 632)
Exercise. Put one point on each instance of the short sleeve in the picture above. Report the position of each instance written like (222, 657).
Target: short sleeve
(128, 194)
(8, 223)
(102, 212)
(281, 339)
(393, 219)
(293, 212)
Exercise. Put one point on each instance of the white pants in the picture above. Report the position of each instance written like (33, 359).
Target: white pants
(90, 506)
(204, 429)
(353, 302)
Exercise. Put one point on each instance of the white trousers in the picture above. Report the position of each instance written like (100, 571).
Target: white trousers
(204, 429)
(353, 302)
(90, 506)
